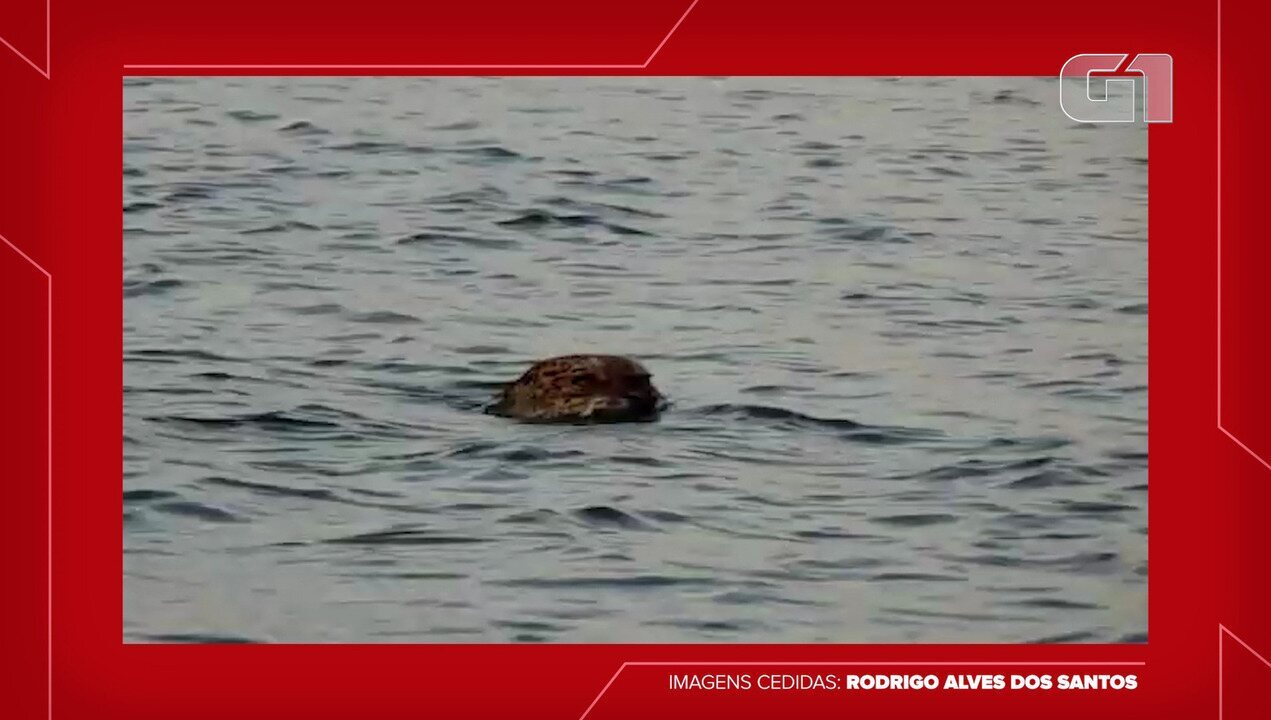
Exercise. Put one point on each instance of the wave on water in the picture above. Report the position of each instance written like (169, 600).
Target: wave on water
(847, 428)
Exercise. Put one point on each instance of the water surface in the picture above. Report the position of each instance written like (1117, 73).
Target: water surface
(902, 323)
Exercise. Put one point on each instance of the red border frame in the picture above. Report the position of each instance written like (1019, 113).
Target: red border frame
(60, 220)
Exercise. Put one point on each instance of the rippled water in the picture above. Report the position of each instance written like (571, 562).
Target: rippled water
(903, 325)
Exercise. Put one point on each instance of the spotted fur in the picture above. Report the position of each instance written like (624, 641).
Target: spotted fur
(581, 388)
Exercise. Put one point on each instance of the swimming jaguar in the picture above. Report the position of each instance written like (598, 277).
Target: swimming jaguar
(581, 389)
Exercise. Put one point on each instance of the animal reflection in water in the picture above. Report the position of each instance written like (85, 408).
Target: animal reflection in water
(581, 389)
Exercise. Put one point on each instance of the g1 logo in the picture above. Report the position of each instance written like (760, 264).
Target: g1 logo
(1120, 94)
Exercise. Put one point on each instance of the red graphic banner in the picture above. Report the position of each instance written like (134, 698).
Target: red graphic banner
(60, 278)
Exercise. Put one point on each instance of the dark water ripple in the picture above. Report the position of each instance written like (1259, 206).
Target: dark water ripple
(905, 346)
